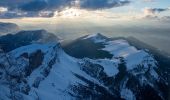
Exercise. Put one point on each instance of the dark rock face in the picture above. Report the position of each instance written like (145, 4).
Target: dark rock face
(92, 91)
(81, 48)
(124, 79)
(35, 60)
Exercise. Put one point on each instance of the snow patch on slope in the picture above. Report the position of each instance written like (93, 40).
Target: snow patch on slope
(31, 48)
(119, 48)
(127, 94)
(132, 56)
(110, 66)
(4, 92)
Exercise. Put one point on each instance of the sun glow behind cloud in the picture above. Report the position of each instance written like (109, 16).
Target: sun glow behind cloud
(76, 13)
(69, 13)
(3, 9)
(90, 9)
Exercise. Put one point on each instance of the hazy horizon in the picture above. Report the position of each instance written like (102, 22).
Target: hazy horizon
(148, 31)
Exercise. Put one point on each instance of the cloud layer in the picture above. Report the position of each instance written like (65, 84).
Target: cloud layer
(153, 11)
(46, 8)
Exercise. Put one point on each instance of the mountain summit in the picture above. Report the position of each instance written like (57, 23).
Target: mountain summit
(98, 37)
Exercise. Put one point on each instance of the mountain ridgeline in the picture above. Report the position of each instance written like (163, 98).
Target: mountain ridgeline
(34, 65)
(12, 41)
(8, 28)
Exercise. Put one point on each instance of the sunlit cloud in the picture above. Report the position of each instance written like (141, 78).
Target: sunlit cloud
(82, 13)
(46, 14)
(70, 12)
(3, 9)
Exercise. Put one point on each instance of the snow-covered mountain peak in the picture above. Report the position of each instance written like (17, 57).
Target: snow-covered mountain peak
(94, 35)
(97, 37)
(118, 48)
(120, 59)
(107, 69)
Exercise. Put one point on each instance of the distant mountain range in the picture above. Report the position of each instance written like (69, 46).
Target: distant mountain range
(8, 28)
(12, 41)
(34, 65)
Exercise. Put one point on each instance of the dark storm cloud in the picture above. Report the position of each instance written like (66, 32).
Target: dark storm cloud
(102, 4)
(37, 5)
(13, 4)
(34, 6)
(50, 5)
(152, 11)
(159, 9)
(28, 7)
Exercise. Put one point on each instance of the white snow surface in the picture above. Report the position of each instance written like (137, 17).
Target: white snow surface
(4, 92)
(110, 65)
(132, 56)
(56, 84)
(31, 49)
(127, 94)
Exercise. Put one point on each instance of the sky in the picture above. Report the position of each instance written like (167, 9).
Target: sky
(11, 9)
